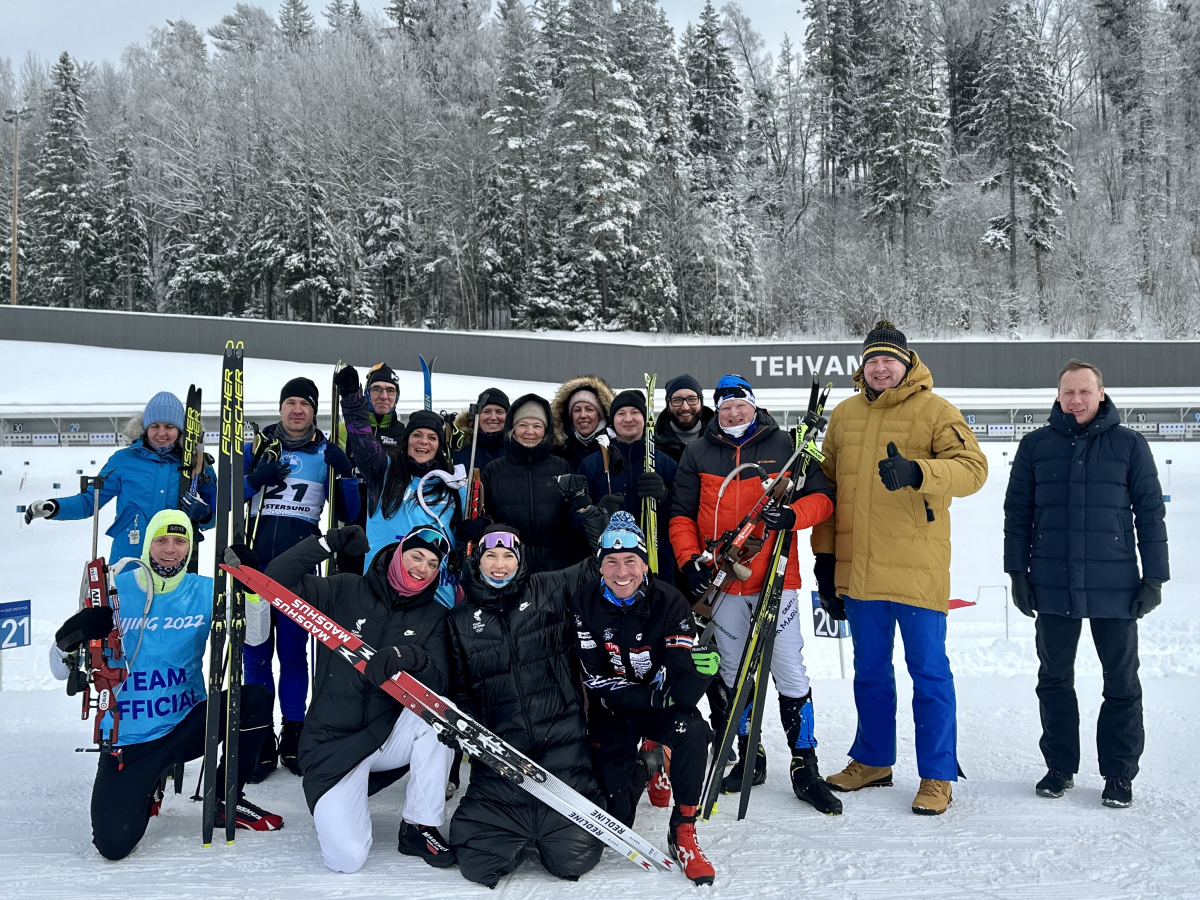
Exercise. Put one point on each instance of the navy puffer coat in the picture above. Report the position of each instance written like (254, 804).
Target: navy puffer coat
(1074, 498)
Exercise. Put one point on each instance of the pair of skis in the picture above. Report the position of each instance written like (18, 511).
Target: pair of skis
(444, 717)
(229, 604)
(650, 505)
(749, 689)
(192, 463)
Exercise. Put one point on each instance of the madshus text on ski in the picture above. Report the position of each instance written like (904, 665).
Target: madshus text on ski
(580, 599)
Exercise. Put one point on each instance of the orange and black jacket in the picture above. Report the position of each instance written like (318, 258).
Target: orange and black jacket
(695, 516)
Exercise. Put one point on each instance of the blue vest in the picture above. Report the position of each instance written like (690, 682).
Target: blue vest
(166, 676)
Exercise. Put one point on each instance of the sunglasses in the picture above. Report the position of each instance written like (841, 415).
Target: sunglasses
(619, 540)
(505, 539)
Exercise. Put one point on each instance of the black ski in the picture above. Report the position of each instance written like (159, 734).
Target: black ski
(237, 610)
(216, 645)
(192, 463)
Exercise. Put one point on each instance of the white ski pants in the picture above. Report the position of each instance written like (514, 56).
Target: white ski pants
(733, 617)
(342, 818)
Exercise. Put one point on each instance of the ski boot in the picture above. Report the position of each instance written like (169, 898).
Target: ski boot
(426, 842)
(809, 786)
(732, 783)
(250, 817)
(289, 746)
(681, 839)
(657, 760)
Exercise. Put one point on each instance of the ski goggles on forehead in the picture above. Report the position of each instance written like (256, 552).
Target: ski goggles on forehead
(505, 539)
(619, 540)
(431, 536)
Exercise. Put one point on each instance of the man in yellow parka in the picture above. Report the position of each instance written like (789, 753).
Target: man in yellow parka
(896, 454)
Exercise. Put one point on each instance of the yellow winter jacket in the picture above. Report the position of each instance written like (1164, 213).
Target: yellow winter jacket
(895, 545)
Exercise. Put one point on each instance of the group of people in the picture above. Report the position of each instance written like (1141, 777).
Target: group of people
(540, 615)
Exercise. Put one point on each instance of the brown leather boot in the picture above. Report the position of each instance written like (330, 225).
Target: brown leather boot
(857, 776)
(933, 797)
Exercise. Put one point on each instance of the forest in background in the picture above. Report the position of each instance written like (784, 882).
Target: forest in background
(958, 166)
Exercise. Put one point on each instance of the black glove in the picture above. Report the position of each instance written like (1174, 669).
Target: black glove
(1022, 593)
(651, 484)
(779, 518)
(897, 472)
(616, 463)
(699, 575)
(594, 520)
(268, 473)
(349, 539)
(469, 531)
(574, 490)
(242, 555)
(611, 503)
(41, 509)
(336, 457)
(89, 624)
(346, 381)
(1148, 597)
(823, 569)
(195, 508)
(387, 661)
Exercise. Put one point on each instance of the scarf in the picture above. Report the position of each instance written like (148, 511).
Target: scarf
(601, 428)
(167, 573)
(403, 583)
(289, 443)
(687, 435)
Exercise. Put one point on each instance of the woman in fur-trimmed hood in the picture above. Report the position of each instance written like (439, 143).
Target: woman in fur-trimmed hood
(580, 410)
(144, 479)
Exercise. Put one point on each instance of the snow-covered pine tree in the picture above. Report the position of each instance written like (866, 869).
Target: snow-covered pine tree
(126, 250)
(205, 259)
(310, 277)
(519, 133)
(902, 125)
(296, 22)
(64, 245)
(715, 117)
(335, 14)
(603, 149)
(1019, 126)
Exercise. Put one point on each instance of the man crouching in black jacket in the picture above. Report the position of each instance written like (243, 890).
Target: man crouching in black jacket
(644, 675)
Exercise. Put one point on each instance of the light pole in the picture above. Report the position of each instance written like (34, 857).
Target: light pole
(15, 116)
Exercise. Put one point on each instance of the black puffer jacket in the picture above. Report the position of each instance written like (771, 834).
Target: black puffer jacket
(1074, 498)
(520, 489)
(348, 718)
(512, 665)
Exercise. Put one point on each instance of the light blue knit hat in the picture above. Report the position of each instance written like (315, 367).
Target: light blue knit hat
(164, 407)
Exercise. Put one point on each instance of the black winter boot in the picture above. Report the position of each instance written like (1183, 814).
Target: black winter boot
(1056, 783)
(289, 746)
(809, 786)
(268, 758)
(426, 842)
(1118, 792)
(732, 783)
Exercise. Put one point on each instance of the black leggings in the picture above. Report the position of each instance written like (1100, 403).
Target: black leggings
(121, 798)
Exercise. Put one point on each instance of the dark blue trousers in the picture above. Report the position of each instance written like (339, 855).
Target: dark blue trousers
(873, 629)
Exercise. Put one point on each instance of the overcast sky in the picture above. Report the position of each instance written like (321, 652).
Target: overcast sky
(100, 29)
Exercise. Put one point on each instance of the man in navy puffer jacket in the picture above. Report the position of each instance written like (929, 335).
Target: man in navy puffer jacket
(1077, 490)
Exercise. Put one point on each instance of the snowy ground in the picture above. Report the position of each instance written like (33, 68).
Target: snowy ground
(998, 839)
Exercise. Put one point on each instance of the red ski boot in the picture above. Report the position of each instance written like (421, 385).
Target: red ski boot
(657, 760)
(250, 817)
(685, 847)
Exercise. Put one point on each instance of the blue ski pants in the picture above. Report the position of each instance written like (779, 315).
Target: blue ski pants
(873, 630)
(292, 643)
